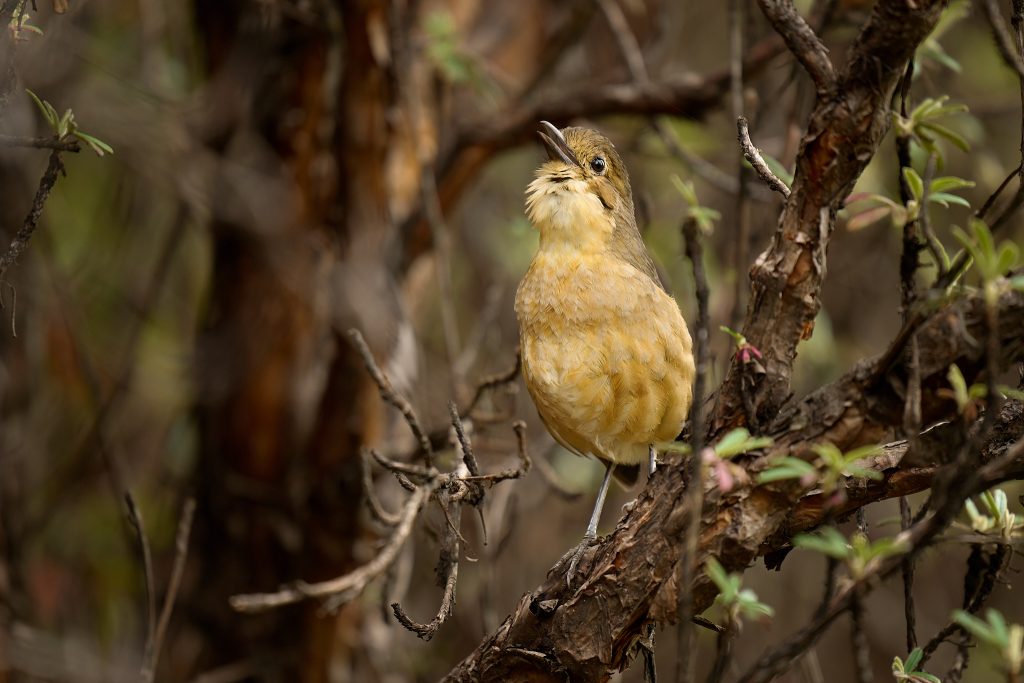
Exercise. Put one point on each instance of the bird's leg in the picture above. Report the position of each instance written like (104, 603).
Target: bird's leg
(591, 532)
(652, 460)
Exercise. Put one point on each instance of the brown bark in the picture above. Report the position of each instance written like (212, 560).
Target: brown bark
(590, 631)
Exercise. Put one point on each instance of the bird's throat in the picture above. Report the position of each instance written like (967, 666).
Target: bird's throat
(568, 216)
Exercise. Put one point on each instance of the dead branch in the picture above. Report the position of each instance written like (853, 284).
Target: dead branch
(343, 587)
(753, 155)
(173, 586)
(1003, 39)
(388, 393)
(20, 242)
(801, 41)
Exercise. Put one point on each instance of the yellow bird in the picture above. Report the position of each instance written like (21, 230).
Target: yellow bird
(606, 353)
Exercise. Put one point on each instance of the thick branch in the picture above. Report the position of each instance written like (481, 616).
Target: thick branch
(628, 578)
(843, 134)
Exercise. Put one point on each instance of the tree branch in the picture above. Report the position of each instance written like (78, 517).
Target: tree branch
(843, 134)
(801, 41)
(634, 568)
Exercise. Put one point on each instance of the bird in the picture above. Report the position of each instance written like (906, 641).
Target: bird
(606, 354)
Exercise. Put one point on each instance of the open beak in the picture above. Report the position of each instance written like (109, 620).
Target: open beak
(558, 148)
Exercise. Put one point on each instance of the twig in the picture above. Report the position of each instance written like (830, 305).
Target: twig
(629, 48)
(751, 154)
(858, 639)
(862, 658)
(409, 470)
(377, 509)
(693, 498)
(987, 206)
(135, 520)
(173, 585)
(388, 393)
(447, 566)
(723, 651)
(442, 254)
(21, 239)
(493, 382)
(343, 587)
(979, 581)
(54, 143)
(519, 427)
(1004, 42)
(741, 247)
(460, 433)
(907, 571)
(801, 41)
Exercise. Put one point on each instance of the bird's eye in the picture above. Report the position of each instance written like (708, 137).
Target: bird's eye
(597, 165)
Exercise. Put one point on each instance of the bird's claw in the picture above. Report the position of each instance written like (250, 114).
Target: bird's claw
(573, 558)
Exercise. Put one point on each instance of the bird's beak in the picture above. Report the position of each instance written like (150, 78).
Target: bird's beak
(558, 148)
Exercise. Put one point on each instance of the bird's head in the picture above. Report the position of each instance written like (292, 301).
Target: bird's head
(582, 193)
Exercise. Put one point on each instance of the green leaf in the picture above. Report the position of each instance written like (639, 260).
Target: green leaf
(914, 182)
(739, 441)
(950, 135)
(95, 144)
(827, 541)
(945, 199)
(787, 468)
(949, 182)
(914, 658)
(47, 111)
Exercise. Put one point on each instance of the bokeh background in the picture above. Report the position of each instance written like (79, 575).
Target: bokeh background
(287, 169)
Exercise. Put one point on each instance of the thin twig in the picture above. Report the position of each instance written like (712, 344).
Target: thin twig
(447, 566)
(723, 651)
(751, 154)
(493, 382)
(173, 586)
(907, 571)
(21, 239)
(693, 497)
(343, 587)
(741, 247)
(390, 395)
(1004, 42)
(460, 434)
(54, 143)
(377, 509)
(442, 254)
(135, 520)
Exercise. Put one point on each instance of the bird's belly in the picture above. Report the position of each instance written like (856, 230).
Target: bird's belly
(607, 384)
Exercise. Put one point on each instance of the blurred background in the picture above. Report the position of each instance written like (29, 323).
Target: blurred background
(284, 170)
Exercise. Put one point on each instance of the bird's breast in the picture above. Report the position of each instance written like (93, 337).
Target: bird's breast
(606, 353)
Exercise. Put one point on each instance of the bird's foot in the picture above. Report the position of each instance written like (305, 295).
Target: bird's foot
(570, 561)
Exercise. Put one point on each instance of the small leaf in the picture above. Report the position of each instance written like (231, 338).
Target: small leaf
(95, 144)
(866, 218)
(948, 182)
(787, 468)
(914, 182)
(945, 199)
(828, 541)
